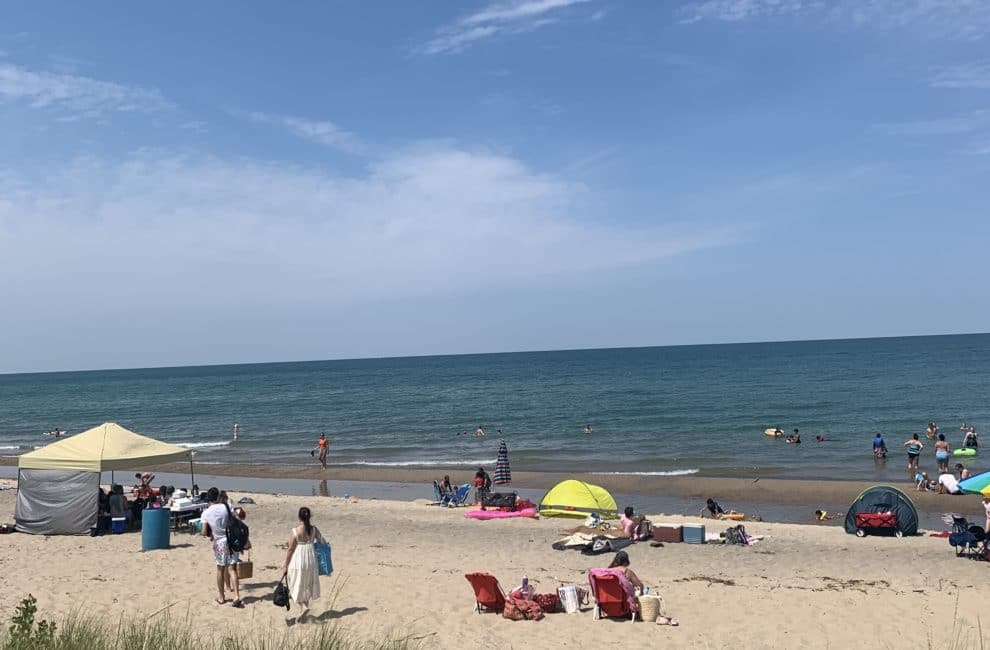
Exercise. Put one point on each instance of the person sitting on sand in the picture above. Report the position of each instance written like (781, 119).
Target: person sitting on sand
(922, 482)
(947, 484)
(626, 521)
(823, 515)
(715, 510)
(795, 438)
(446, 487)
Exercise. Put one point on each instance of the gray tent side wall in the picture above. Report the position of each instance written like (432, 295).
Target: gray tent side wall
(56, 502)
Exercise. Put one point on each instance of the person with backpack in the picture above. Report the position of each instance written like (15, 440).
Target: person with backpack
(216, 519)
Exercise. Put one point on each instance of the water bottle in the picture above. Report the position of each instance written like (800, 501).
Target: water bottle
(646, 590)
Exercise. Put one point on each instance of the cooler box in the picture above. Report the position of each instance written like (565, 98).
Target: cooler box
(155, 529)
(876, 520)
(668, 533)
(693, 533)
(118, 525)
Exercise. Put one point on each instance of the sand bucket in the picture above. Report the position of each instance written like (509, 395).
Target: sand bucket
(649, 607)
(569, 598)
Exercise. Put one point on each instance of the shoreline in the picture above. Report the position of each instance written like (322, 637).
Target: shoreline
(773, 499)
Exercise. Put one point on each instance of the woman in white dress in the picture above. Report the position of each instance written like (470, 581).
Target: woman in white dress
(300, 563)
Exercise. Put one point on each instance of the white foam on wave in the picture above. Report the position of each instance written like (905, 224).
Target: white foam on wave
(6, 447)
(673, 472)
(416, 463)
(204, 445)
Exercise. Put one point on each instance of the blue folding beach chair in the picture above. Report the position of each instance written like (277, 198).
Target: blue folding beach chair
(459, 498)
(441, 498)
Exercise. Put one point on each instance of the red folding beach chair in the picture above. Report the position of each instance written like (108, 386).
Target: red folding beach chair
(488, 593)
(611, 600)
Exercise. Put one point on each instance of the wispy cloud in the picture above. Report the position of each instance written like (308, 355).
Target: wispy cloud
(965, 123)
(735, 10)
(83, 97)
(182, 225)
(196, 126)
(320, 132)
(498, 18)
(975, 74)
(936, 18)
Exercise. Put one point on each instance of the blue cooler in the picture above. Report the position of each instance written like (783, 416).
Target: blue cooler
(693, 533)
(155, 530)
(118, 525)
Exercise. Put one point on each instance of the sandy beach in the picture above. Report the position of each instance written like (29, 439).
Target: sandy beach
(400, 565)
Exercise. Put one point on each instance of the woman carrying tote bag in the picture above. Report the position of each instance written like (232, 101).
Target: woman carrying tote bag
(301, 566)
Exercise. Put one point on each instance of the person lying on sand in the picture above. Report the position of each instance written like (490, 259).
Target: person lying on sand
(824, 515)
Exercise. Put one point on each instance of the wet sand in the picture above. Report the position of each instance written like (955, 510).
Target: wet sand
(773, 499)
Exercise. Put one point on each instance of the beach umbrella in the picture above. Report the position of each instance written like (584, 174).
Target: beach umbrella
(979, 484)
(502, 473)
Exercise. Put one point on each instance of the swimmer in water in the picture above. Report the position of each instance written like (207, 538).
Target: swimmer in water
(237, 431)
(480, 431)
(796, 438)
(587, 428)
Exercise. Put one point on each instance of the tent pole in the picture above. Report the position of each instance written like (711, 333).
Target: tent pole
(192, 474)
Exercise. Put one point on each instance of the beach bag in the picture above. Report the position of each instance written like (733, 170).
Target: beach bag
(736, 535)
(568, 598)
(244, 569)
(323, 558)
(237, 533)
(571, 597)
(549, 603)
(520, 609)
(499, 500)
(281, 596)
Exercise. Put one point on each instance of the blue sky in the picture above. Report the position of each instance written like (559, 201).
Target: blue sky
(226, 182)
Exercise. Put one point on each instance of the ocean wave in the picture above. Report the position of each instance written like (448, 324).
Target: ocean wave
(8, 447)
(204, 445)
(415, 463)
(673, 472)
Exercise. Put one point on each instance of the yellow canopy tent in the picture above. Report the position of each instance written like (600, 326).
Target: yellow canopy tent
(58, 485)
(574, 498)
(105, 448)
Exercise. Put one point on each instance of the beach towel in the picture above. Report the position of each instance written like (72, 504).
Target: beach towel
(602, 544)
(574, 542)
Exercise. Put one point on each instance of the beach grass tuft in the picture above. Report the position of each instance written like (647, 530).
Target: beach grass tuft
(82, 632)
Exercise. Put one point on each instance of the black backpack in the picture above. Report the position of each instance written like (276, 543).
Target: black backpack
(237, 532)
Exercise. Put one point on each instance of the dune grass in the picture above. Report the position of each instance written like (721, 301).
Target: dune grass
(79, 632)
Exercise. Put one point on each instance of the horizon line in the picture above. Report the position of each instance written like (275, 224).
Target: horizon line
(475, 354)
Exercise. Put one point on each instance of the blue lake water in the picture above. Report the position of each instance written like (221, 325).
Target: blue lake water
(662, 410)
